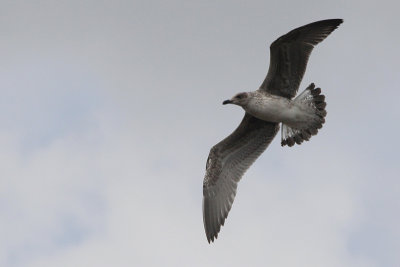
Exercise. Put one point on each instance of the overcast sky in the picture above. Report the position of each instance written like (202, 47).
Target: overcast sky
(108, 110)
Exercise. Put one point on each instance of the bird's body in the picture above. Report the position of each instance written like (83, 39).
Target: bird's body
(269, 107)
(273, 108)
(266, 108)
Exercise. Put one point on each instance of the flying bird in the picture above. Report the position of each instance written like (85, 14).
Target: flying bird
(265, 109)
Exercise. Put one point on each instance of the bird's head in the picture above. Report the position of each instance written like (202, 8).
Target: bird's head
(240, 99)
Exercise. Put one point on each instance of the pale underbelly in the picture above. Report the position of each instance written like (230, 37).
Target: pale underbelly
(287, 113)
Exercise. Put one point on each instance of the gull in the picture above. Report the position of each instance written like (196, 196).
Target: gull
(265, 109)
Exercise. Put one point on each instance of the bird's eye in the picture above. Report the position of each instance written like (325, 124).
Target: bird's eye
(241, 96)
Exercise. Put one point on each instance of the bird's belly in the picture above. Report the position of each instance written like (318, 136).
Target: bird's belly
(273, 110)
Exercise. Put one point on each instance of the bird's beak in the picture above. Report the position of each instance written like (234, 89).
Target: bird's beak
(226, 102)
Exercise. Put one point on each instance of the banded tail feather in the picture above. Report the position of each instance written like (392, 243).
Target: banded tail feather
(313, 101)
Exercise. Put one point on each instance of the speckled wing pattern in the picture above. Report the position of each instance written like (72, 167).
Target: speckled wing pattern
(289, 56)
(227, 162)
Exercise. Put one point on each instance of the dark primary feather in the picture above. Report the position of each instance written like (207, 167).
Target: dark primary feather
(289, 56)
(226, 164)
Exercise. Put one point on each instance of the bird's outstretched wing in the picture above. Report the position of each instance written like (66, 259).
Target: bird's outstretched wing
(289, 56)
(227, 162)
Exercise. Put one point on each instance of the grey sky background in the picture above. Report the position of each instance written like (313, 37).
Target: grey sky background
(109, 109)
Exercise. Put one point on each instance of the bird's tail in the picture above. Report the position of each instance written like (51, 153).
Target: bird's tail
(314, 103)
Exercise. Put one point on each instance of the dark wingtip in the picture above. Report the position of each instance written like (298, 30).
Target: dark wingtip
(339, 21)
(336, 21)
(211, 238)
(333, 22)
